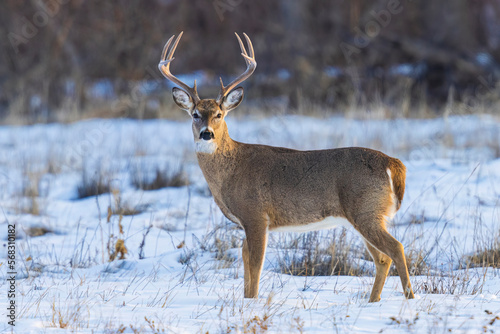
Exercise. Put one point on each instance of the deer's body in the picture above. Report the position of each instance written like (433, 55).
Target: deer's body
(292, 189)
(264, 188)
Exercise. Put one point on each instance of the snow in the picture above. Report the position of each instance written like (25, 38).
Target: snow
(175, 281)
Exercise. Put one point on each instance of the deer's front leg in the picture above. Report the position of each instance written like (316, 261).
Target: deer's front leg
(254, 251)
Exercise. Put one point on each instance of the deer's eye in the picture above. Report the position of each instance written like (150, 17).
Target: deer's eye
(219, 115)
(195, 115)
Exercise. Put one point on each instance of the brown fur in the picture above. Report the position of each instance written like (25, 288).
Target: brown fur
(262, 188)
(398, 171)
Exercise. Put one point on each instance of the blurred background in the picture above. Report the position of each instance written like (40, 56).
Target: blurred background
(64, 60)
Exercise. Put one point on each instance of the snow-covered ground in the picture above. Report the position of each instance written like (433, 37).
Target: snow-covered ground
(172, 278)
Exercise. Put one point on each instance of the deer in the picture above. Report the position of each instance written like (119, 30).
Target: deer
(274, 189)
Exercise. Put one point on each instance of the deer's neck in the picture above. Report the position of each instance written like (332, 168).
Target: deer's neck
(220, 164)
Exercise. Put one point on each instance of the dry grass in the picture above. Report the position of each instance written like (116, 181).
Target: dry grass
(332, 253)
(146, 179)
(37, 231)
(67, 317)
(307, 255)
(94, 184)
(115, 245)
(486, 258)
(453, 282)
(415, 261)
(487, 253)
(310, 255)
(30, 192)
(220, 241)
(125, 208)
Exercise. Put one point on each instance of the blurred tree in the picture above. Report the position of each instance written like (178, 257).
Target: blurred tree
(53, 51)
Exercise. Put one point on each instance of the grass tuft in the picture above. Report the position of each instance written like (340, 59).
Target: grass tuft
(488, 253)
(93, 185)
(147, 179)
(486, 258)
(220, 241)
(310, 255)
(124, 208)
(30, 203)
(37, 231)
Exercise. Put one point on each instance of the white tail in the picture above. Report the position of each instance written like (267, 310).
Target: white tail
(265, 188)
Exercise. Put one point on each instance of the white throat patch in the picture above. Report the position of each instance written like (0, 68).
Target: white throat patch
(205, 146)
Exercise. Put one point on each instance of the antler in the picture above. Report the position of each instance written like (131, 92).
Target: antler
(164, 67)
(251, 65)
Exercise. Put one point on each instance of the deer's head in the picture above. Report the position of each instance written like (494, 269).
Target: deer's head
(207, 114)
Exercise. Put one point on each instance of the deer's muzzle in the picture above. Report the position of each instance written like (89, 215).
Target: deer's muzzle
(206, 135)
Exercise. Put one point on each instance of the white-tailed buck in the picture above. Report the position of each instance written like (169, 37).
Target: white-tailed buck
(265, 188)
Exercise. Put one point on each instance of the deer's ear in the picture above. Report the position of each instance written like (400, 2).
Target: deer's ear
(232, 100)
(182, 99)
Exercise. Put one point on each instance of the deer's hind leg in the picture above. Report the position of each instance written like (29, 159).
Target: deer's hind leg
(373, 230)
(382, 266)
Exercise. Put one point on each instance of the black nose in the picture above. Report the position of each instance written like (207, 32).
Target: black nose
(207, 135)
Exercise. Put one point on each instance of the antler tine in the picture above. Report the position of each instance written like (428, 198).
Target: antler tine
(165, 48)
(244, 52)
(172, 50)
(251, 65)
(164, 67)
(250, 46)
(242, 46)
